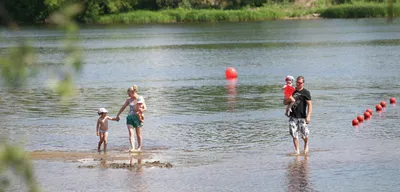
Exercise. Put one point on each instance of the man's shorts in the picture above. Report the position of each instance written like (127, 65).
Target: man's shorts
(296, 126)
(133, 120)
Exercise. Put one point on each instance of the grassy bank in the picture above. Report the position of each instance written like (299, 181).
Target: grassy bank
(364, 10)
(206, 15)
(269, 12)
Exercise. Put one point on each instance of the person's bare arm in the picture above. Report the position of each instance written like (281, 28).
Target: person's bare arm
(111, 118)
(144, 106)
(309, 111)
(122, 109)
(97, 127)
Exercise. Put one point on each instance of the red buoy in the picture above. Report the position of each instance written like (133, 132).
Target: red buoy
(378, 107)
(369, 111)
(367, 115)
(230, 73)
(392, 100)
(360, 118)
(383, 103)
(355, 122)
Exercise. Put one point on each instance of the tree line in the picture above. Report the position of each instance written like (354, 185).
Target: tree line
(38, 11)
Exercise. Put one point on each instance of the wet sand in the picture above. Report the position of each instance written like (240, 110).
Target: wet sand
(110, 159)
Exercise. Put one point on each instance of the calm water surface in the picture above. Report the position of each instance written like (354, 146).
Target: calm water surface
(220, 135)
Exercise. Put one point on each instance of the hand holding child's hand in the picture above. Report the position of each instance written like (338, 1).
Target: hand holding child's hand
(117, 118)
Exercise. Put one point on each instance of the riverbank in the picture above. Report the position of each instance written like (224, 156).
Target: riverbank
(268, 12)
(274, 12)
(112, 159)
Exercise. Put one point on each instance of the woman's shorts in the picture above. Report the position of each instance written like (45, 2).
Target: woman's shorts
(133, 120)
(296, 126)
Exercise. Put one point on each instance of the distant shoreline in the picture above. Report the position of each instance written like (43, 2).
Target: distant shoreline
(306, 17)
(270, 12)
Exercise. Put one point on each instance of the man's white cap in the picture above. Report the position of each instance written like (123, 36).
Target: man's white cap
(102, 110)
(140, 99)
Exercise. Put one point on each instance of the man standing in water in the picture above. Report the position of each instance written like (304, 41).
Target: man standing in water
(299, 118)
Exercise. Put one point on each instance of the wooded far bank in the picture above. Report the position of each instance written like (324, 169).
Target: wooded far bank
(30, 12)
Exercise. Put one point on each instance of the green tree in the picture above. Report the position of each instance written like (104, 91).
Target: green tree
(26, 11)
(117, 6)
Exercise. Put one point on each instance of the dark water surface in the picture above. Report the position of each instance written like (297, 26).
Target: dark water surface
(220, 135)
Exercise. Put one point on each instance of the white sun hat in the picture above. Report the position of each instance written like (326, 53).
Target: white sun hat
(289, 78)
(102, 110)
(140, 99)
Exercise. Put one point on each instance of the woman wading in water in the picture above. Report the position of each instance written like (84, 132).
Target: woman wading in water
(133, 121)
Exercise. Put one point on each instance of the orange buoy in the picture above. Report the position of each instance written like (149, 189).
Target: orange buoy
(383, 103)
(360, 118)
(354, 122)
(369, 111)
(230, 73)
(378, 107)
(367, 115)
(392, 100)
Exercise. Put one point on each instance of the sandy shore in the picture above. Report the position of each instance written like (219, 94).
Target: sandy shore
(110, 159)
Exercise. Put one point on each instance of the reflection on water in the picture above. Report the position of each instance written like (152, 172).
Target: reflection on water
(298, 175)
(138, 161)
(103, 163)
(137, 177)
(231, 91)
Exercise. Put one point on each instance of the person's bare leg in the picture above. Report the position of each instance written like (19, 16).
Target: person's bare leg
(100, 142)
(305, 145)
(139, 137)
(105, 141)
(289, 107)
(98, 146)
(131, 138)
(287, 112)
(296, 145)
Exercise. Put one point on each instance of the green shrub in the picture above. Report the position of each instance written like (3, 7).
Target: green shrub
(359, 11)
(189, 15)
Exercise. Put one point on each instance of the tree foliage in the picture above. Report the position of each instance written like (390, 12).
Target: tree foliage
(14, 158)
(20, 63)
(25, 11)
(38, 11)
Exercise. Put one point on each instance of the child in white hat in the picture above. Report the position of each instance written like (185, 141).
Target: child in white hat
(102, 127)
(289, 82)
(140, 109)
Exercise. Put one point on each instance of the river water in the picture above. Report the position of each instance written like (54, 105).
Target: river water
(220, 135)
